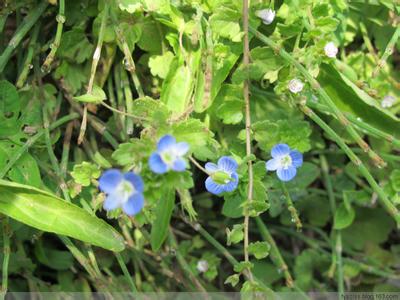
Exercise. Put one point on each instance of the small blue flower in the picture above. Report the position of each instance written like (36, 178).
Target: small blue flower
(169, 155)
(223, 176)
(123, 191)
(284, 161)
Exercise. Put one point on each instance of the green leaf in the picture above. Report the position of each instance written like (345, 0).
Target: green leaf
(239, 267)
(233, 280)
(163, 213)
(85, 172)
(294, 132)
(260, 250)
(395, 180)
(25, 170)
(160, 64)
(178, 85)
(344, 216)
(46, 212)
(96, 96)
(235, 235)
(52, 258)
(75, 46)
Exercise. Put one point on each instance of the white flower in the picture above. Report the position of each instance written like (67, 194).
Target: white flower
(330, 50)
(202, 266)
(295, 86)
(266, 15)
(388, 101)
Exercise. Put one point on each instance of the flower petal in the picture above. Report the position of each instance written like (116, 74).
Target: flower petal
(179, 165)
(211, 167)
(109, 180)
(286, 174)
(297, 158)
(136, 181)
(280, 150)
(231, 186)
(134, 204)
(113, 201)
(227, 164)
(273, 164)
(212, 187)
(166, 142)
(181, 148)
(156, 164)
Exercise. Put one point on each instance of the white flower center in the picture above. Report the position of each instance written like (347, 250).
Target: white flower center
(124, 190)
(286, 161)
(168, 157)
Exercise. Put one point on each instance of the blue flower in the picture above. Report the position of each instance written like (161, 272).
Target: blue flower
(123, 191)
(223, 176)
(284, 161)
(169, 155)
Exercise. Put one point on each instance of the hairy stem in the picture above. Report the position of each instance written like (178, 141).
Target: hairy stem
(246, 96)
(6, 256)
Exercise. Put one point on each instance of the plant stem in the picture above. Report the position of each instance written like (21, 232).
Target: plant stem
(22, 30)
(291, 208)
(6, 256)
(378, 161)
(129, 62)
(28, 58)
(95, 61)
(388, 51)
(126, 272)
(385, 201)
(122, 112)
(337, 245)
(360, 124)
(198, 165)
(60, 18)
(66, 148)
(275, 254)
(246, 96)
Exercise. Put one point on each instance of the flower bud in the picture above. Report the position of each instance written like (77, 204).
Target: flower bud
(295, 86)
(330, 50)
(202, 266)
(388, 101)
(266, 15)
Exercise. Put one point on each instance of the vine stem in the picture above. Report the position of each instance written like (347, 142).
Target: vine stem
(22, 30)
(60, 18)
(385, 201)
(377, 160)
(246, 95)
(337, 247)
(6, 258)
(95, 61)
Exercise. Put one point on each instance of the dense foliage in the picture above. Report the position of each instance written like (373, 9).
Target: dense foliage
(165, 145)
